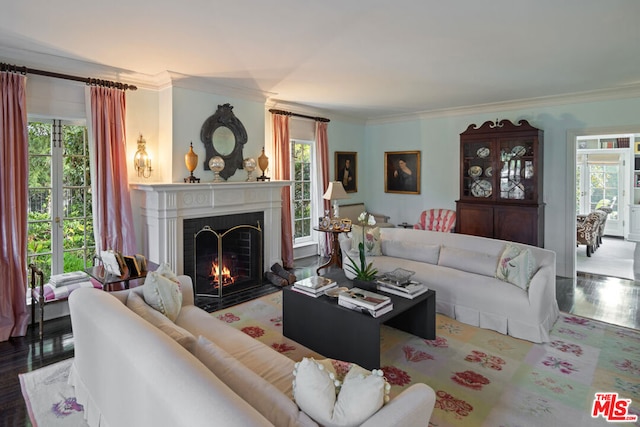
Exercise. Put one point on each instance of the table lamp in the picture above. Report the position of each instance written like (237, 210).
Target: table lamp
(335, 192)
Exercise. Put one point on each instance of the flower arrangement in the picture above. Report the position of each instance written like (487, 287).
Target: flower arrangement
(364, 271)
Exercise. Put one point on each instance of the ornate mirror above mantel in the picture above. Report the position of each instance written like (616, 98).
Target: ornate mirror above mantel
(224, 135)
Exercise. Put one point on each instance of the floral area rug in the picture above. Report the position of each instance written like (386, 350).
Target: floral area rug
(483, 378)
(50, 400)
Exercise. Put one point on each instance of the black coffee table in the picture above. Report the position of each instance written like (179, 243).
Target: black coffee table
(343, 334)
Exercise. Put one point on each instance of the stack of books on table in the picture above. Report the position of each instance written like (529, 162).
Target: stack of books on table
(64, 279)
(406, 289)
(366, 302)
(314, 286)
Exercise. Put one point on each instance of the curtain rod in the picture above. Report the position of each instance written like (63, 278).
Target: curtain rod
(89, 81)
(288, 113)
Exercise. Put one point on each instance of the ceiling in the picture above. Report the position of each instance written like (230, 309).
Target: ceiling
(370, 59)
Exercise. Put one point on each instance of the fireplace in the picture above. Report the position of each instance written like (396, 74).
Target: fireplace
(224, 254)
(163, 210)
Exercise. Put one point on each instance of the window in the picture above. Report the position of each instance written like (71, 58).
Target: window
(303, 176)
(60, 221)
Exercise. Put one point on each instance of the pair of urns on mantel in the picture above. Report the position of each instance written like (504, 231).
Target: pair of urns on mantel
(501, 182)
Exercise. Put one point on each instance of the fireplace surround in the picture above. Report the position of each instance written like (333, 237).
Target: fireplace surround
(161, 209)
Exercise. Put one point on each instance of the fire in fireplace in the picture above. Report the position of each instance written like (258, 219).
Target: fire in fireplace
(226, 257)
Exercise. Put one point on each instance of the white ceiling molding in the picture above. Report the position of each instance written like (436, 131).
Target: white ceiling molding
(630, 91)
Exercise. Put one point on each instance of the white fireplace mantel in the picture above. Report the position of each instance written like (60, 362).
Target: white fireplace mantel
(161, 209)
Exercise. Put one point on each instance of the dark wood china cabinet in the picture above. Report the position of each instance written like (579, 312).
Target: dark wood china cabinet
(501, 182)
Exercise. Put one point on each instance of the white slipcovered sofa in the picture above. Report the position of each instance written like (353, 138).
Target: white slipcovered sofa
(462, 270)
(129, 372)
(352, 211)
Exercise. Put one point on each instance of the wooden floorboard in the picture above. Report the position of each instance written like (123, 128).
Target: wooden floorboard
(587, 295)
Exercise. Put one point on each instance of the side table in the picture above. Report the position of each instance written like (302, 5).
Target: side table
(108, 280)
(335, 258)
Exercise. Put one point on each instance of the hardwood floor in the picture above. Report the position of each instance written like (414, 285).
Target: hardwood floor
(608, 299)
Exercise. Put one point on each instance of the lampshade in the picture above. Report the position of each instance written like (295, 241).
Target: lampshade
(335, 191)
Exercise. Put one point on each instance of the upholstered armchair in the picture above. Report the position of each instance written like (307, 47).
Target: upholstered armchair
(604, 214)
(437, 220)
(587, 231)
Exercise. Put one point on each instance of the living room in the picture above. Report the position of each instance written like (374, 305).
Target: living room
(172, 103)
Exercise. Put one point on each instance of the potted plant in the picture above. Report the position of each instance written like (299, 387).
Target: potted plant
(364, 273)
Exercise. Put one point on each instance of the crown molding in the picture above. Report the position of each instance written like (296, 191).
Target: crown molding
(214, 85)
(623, 92)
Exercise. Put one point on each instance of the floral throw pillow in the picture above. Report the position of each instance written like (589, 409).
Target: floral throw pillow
(371, 240)
(516, 266)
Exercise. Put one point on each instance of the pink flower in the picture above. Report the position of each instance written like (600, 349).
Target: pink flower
(413, 355)
(438, 342)
(253, 331)
(228, 317)
(396, 376)
(448, 403)
(488, 361)
(562, 365)
(282, 347)
(470, 379)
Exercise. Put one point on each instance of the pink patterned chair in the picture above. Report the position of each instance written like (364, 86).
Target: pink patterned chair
(437, 220)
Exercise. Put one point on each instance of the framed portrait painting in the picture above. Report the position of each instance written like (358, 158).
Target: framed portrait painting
(346, 164)
(402, 172)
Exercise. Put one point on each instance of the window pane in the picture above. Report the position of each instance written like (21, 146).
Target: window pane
(75, 170)
(74, 140)
(39, 240)
(39, 171)
(298, 229)
(39, 203)
(39, 138)
(306, 172)
(298, 172)
(306, 191)
(74, 202)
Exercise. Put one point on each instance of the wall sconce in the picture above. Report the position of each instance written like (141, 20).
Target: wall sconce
(141, 160)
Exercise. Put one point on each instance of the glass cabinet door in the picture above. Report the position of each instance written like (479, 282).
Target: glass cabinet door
(477, 174)
(517, 179)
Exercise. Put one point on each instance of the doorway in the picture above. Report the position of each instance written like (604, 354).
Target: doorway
(603, 167)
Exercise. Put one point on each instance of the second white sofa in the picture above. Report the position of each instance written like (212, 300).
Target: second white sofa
(462, 270)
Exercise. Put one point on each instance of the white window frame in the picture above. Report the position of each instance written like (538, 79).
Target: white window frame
(312, 238)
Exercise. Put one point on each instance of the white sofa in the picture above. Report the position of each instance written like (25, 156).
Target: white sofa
(127, 372)
(461, 269)
(352, 211)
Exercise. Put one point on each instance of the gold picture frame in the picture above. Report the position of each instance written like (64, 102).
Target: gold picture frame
(402, 172)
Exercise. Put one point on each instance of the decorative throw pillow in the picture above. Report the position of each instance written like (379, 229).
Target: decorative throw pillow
(335, 393)
(180, 335)
(371, 240)
(164, 269)
(516, 266)
(162, 294)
